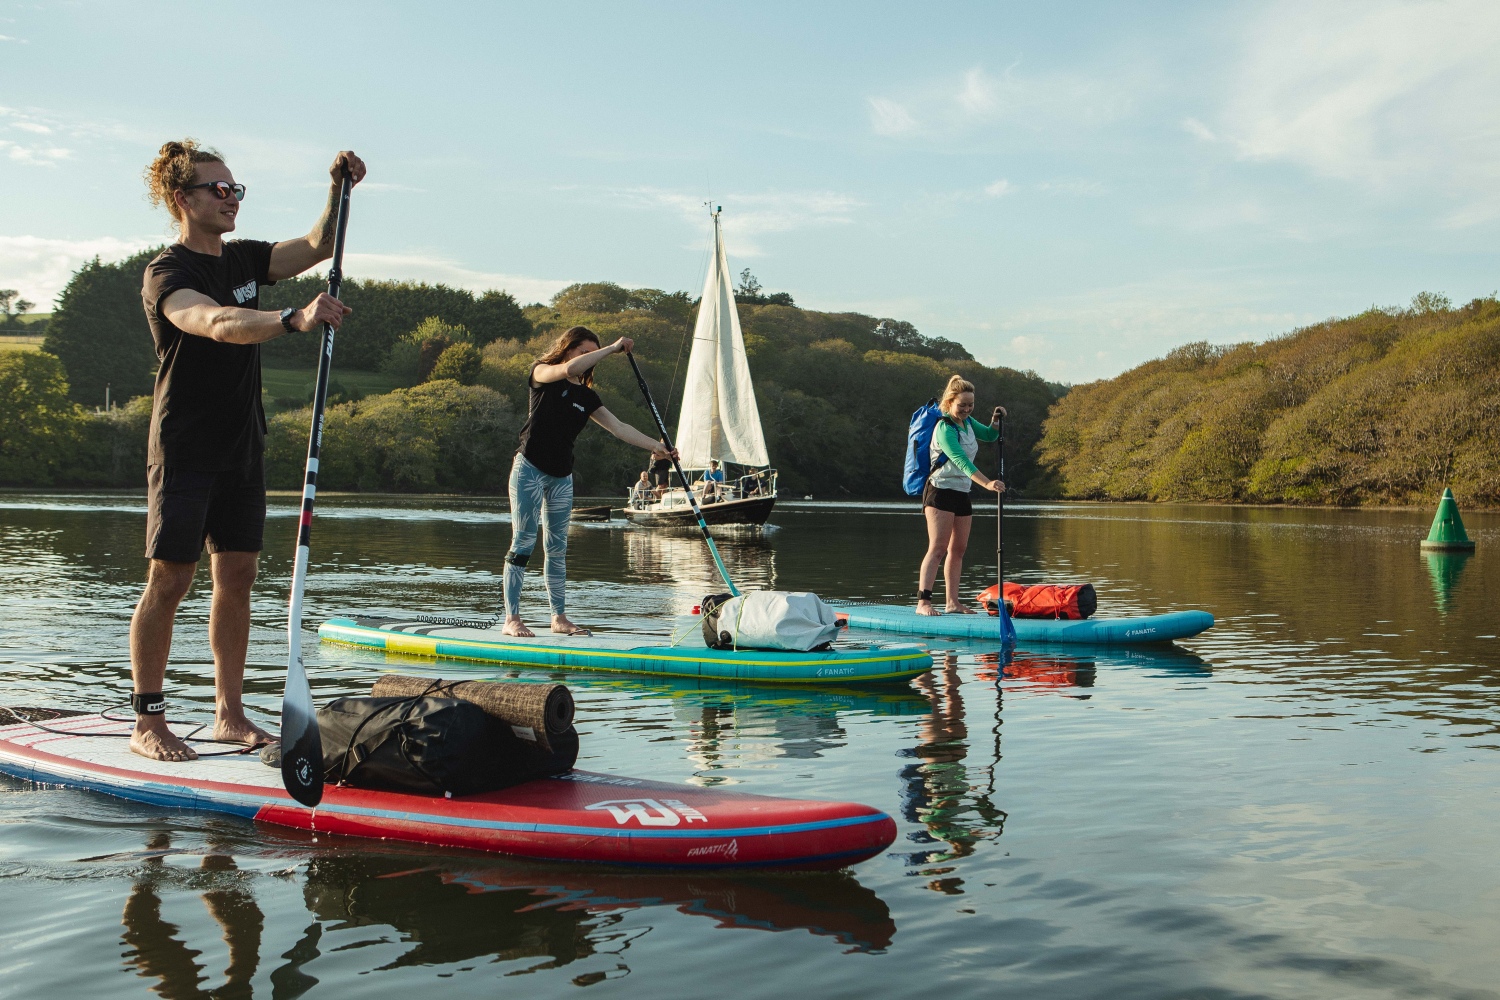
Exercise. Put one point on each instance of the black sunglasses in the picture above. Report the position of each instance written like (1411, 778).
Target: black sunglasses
(221, 189)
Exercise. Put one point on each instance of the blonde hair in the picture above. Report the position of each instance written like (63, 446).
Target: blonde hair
(175, 167)
(957, 386)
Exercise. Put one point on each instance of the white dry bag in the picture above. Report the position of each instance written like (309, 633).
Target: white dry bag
(768, 619)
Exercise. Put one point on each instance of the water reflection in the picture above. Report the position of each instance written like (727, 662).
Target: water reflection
(458, 911)
(1444, 569)
(679, 558)
(935, 787)
(153, 945)
(1344, 708)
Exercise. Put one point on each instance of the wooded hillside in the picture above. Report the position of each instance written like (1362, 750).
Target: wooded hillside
(835, 390)
(1386, 407)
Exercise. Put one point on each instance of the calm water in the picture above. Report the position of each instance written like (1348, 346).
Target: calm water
(1301, 803)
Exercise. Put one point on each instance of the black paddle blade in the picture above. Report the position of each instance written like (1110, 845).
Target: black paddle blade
(301, 745)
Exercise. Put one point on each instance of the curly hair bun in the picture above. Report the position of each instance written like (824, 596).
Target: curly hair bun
(174, 168)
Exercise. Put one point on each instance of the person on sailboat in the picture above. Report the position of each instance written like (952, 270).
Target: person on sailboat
(642, 492)
(661, 474)
(541, 475)
(713, 481)
(945, 499)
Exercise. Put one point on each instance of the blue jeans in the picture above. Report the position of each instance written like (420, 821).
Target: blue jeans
(537, 498)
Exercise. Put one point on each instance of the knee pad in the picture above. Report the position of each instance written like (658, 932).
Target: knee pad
(518, 559)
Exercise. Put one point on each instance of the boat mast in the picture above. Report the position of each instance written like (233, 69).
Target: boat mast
(716, 441)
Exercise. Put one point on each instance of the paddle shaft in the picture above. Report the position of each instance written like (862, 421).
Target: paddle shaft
(661, 427)
(301, 746)
(1000, 515)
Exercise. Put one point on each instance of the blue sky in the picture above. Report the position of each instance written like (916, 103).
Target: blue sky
(1072, 188)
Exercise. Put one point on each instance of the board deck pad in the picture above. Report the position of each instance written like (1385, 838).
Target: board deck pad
(1097, 631)
(632, 652)
(579, 816)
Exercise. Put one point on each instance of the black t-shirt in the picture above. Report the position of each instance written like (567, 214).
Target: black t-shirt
(557, 414)
(206, 412)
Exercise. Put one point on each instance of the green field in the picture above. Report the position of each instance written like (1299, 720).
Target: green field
(284, 385)
(20, 342)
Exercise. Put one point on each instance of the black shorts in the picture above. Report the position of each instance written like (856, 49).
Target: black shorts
(955, 502)
(184, 507)
(663, 478)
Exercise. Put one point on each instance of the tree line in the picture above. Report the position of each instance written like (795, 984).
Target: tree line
(1386, 407)
(835, 390)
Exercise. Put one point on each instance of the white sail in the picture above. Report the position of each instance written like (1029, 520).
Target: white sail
(719, 418)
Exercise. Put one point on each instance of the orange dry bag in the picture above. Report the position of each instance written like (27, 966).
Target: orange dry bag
(1044, 600)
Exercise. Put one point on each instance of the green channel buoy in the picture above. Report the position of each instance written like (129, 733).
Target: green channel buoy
(1447, 534)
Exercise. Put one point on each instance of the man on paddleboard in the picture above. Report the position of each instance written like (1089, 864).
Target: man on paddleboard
(205, 477)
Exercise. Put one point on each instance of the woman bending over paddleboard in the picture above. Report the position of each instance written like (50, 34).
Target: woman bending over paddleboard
(945, 499)
(541, 476)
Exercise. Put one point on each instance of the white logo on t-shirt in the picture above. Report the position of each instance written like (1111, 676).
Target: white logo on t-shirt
(245, 292)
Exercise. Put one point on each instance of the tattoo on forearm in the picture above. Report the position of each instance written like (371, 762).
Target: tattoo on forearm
(330, 218)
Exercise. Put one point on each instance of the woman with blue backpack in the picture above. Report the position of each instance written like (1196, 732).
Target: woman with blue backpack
(955, 437)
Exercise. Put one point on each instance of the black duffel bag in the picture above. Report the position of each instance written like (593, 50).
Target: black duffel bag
(430, 746)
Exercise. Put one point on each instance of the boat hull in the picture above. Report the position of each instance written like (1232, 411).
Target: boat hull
(753, 510)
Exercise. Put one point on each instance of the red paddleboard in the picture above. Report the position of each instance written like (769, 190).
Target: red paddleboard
(578, 816)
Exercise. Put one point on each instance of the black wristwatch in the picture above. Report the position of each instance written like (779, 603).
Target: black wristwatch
(286, 319)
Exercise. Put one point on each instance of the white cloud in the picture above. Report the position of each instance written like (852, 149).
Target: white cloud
(951, 104)
(39, 268)
(40, 156)
(1099, 333)
(1397, 97)
(1194, 127)
(978, 95)
(890, 118)
(435, 270)
(37, 127)
(999, 188)
(748, 215)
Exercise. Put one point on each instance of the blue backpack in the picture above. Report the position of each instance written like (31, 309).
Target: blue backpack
(919, 467)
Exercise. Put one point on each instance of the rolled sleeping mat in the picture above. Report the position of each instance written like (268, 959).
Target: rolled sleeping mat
(538, 713)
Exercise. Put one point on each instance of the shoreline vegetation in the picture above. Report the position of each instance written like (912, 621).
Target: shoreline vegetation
(1381, 409)
(1385, 408)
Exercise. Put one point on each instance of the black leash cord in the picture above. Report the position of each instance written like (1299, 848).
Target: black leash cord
(243, 748)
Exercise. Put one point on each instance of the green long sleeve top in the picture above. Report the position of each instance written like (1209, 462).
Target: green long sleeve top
(960, 444)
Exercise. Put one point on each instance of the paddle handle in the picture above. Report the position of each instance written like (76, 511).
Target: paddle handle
(666, 439)
(301, 745)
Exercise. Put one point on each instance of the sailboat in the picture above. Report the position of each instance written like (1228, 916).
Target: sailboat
(719, 422)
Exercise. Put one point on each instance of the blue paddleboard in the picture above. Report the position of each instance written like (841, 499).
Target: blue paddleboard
(1103, 631)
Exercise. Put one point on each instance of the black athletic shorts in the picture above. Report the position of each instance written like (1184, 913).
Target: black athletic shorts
(183, 508)
(953, 501)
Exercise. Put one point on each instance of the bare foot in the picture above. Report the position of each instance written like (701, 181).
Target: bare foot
(517, 628)
(926, 608)
(562, 626)
(155, 741)
(242, 730)
(958, 609)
